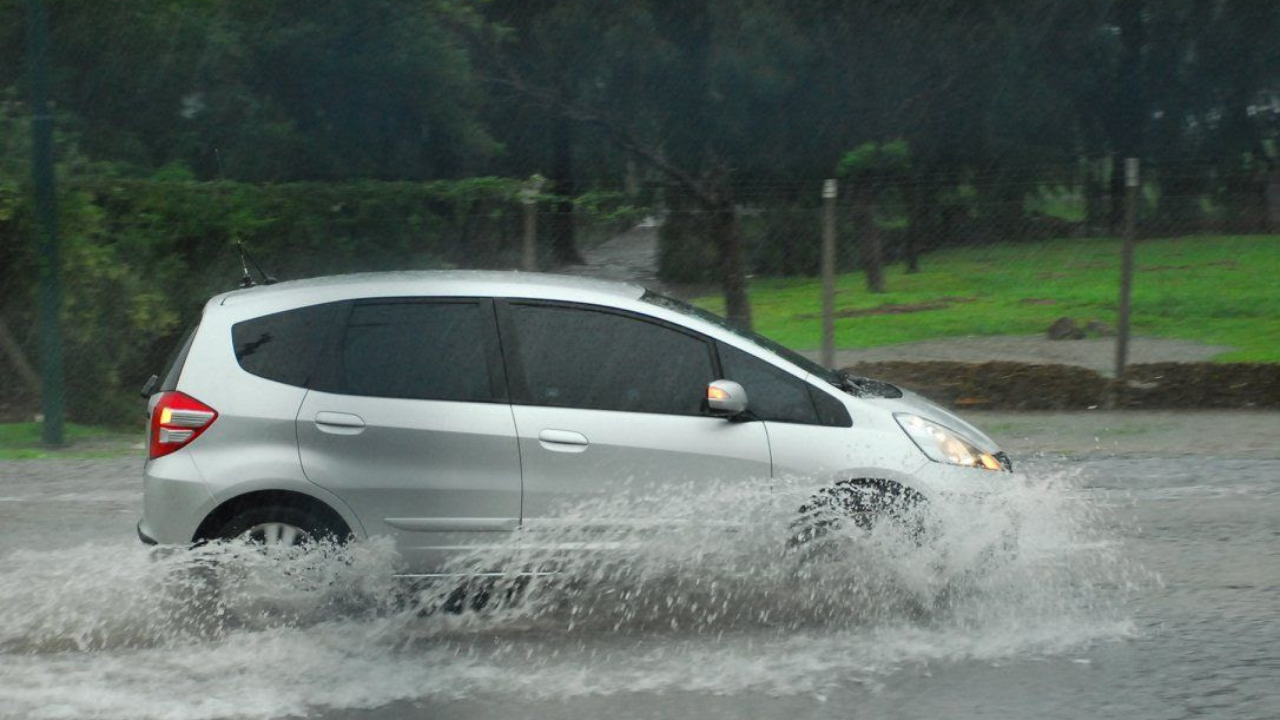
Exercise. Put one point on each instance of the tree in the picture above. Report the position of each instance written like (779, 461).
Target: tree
(675, 87)
(271, 90)
(871, 169)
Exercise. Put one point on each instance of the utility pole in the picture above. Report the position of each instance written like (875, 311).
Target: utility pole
(51, 393)
(529, 198)
(829, 273)
(1131, 183)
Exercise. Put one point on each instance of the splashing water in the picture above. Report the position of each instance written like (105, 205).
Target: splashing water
(692, 589)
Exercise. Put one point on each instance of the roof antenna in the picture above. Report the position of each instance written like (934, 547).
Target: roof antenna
(246, 281)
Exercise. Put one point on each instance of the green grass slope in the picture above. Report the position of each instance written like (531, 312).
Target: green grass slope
(21, 441)
(1221, 290)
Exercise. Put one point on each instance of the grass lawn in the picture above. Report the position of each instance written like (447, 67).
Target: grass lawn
(21, 441)
(1221, 290)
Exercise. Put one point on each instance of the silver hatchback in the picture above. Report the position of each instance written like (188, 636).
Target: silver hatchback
(449, 409)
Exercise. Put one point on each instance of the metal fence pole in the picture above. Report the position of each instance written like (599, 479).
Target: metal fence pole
(828, 273)
(51, 387)
(1131, 183)
(529, 198)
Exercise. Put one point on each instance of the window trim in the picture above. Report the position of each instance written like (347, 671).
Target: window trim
(516, 379)
(330, 369)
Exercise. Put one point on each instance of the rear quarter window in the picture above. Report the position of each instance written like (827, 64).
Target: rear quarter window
(173, 369)
(284, 346)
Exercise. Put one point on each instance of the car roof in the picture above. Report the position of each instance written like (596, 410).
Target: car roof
(427, 283)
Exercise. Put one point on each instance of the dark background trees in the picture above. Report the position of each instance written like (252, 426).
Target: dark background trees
(726, 96)
(723, 116)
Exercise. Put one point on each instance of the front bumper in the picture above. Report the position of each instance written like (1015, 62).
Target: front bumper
(145, 536)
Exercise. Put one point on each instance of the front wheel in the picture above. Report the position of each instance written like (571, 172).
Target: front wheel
(864, 504)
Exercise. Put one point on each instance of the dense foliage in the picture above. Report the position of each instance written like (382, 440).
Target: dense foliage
(350, 133)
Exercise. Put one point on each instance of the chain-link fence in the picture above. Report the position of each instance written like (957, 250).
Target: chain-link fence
(936, 274)
(1021, 267)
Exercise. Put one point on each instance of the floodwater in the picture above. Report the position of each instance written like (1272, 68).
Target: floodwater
(1114, 581)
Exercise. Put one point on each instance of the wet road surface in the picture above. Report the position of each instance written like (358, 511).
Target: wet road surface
(1145, 584)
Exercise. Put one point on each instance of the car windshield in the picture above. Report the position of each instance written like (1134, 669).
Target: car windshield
(782, 351)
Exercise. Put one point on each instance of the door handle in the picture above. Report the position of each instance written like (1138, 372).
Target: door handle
(563, 440)
(339, 423)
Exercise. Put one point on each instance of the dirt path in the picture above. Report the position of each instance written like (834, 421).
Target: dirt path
(1097, 354)
(630, 257)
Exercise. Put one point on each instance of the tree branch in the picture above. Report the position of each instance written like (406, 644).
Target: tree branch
(620, 135)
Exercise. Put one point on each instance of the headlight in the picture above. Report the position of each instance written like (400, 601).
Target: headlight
(941, 444)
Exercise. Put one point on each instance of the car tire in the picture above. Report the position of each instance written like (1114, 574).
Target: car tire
(865, 503)
(281, 524)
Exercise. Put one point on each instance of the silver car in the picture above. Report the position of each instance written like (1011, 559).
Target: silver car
(449, 409)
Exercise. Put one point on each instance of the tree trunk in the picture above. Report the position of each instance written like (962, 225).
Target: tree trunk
(1095, 199)
(732, 263)
(564, 251)
(1273, 200)
(869, 237)
(1178, 211)
(9, 344)
(1008, 214)
(920, 224)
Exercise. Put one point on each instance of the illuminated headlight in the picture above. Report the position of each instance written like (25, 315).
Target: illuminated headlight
(944, 445)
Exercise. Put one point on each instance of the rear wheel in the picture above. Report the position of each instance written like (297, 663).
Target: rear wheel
(280, 525)
(284, 578)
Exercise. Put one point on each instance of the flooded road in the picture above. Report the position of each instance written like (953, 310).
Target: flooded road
(1144, 582)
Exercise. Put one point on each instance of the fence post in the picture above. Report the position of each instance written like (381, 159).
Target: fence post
(1131, 186)
(51, 388)
(829, 273)
(529, 198)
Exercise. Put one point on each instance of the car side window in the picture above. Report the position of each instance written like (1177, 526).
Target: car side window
(772, 393)
(429, 350)
(584, 358)
(831, 412)
(282, 346)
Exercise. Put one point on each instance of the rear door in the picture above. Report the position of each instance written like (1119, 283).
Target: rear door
(610, 405)
(408, 422)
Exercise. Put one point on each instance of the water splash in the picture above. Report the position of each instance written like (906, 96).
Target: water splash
(691, 589)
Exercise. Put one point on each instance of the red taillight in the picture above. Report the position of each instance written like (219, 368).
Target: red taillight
(176, 420)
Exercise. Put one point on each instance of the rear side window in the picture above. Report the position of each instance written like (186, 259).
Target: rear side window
(417, 350)
(173, 369)
(580, 358)
(284, 346)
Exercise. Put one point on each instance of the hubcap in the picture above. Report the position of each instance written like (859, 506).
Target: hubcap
(277, 534)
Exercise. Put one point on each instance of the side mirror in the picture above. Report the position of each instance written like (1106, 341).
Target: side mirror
(726, 398)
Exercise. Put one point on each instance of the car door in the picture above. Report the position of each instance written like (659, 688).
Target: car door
(409, 424)
(610, 405)
(810, 433)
